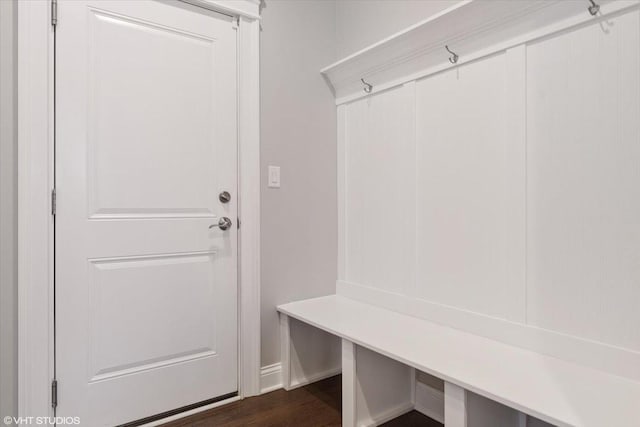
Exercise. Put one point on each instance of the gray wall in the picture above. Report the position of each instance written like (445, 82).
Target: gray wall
(8, 210)
(298, 133)
(360, 23)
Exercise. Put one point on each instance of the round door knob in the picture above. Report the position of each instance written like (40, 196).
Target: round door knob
(224, 197)
(223, 224)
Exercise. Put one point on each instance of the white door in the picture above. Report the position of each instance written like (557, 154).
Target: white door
(146, 140)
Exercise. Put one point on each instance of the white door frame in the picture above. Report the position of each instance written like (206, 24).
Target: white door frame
(36, 179)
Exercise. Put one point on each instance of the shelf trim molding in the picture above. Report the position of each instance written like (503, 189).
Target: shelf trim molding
(419, 50)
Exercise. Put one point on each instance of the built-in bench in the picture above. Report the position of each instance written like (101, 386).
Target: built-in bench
(381, 350)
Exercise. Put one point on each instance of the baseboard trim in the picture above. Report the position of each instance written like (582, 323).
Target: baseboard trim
(270, 378)
(430, 402)
(387, 415)
(301, 382)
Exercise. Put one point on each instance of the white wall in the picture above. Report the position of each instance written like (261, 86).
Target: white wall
(8, 206)
(360, 23)
(511, 182)
(298, 133)
(515, 176)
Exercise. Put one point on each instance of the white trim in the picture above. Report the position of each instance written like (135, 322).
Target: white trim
(245, 8)
(35, 223)
(349, 383)
(318, 376)
(249, 207)
(285, 350)
(466, 28)
(455, 405)
(387, 415)
(270, 378)
(430, 402)
(341, 158)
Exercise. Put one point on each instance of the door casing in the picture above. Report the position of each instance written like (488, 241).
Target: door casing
(36, 126)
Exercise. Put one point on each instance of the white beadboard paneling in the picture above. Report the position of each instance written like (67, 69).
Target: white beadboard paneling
(516, 172)
(380, 189)
(583, 161)
(341, 189)
(463, 172)
(526, 225)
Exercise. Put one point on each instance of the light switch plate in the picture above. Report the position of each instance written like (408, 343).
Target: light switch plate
(274, 177)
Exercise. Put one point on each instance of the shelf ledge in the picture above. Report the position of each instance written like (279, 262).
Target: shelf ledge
(471, 28)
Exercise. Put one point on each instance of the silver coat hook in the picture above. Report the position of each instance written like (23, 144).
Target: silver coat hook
(594, 8)
(367, 87)
(454, 58)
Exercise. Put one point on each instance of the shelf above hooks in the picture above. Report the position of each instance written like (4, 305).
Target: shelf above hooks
(476, 27)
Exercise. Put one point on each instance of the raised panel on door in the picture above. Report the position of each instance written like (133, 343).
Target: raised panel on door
(583, 170)
(462, 189)
(166, 295)
(165, 101)
(146, 139)
(379, 190)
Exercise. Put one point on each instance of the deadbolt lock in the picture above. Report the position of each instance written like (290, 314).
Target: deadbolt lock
(225, 197)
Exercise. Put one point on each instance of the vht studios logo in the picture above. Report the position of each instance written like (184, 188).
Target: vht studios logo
(41, 421)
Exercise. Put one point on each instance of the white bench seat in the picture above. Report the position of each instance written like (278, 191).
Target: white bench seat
(547, 388)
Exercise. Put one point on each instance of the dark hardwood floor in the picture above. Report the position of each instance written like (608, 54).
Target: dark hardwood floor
(316, 405)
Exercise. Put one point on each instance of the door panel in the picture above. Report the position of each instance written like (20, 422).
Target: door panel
(174, 79)
(146, 293)
(167, 295)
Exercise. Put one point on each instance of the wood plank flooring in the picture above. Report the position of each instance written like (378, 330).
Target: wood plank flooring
(316, 405)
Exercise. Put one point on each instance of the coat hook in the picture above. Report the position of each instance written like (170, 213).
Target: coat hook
(453, 59)
(367, 87)
(594, 8)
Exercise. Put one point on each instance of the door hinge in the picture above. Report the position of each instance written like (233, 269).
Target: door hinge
(53, 202)
(54, 12)
(54, 394)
